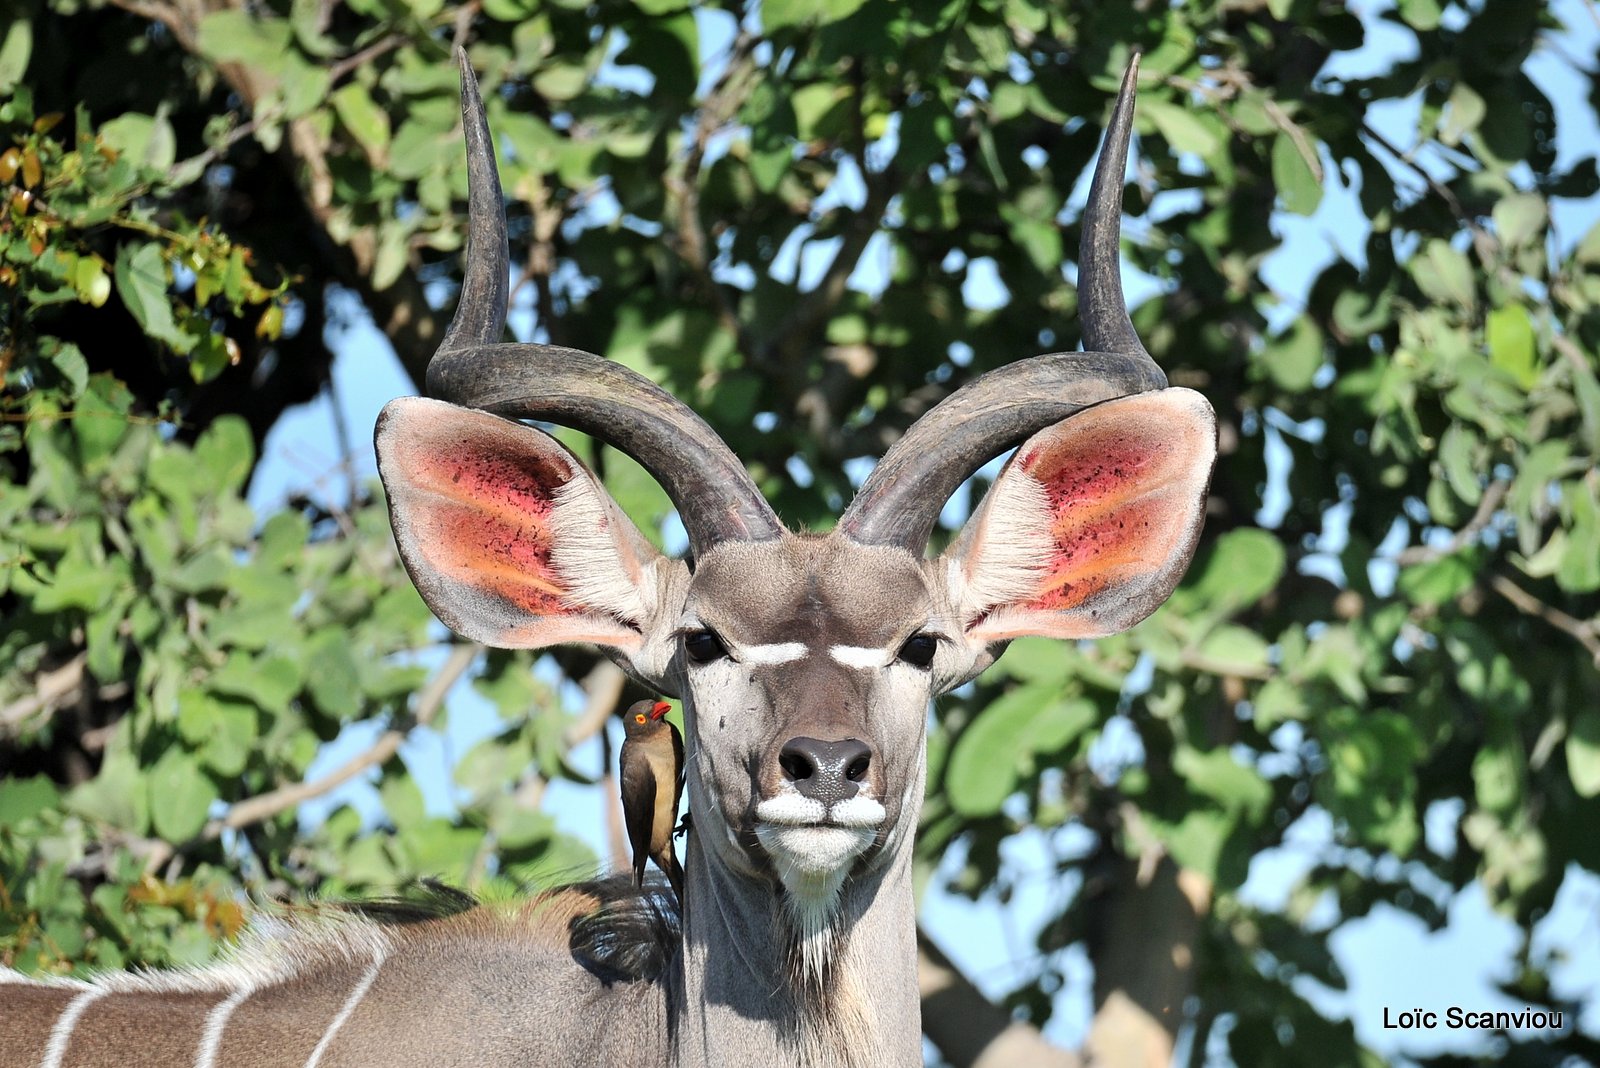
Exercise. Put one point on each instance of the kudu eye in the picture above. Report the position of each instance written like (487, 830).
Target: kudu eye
(919, 649)
(703, 646)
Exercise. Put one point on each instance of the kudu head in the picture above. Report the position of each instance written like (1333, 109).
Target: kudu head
(805, 662)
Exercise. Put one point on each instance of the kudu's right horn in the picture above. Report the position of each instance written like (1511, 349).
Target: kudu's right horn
(901, 500)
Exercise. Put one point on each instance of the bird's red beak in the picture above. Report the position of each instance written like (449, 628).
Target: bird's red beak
(661, 708)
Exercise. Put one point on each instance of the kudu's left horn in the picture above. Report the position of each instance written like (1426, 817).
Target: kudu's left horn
(714, 495)
(900, 501)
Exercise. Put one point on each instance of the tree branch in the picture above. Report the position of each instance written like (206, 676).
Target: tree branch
(1493, 494)
(969, 1029)
(429, 700)
(1587, 632)
(51, 688)
(401, 310)
(683, 189)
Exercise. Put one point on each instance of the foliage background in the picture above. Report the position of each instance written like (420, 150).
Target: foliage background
(812, 219)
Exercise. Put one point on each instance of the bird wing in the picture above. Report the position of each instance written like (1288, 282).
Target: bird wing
(638, 804)
(677, 762)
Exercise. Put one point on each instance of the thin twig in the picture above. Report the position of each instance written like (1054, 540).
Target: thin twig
(347, 453)
(1482, 241)
(715, 112)
(366, 55)
(429, 700)
(1587, 633)
(1493, 495)
(616, 838)
(603, 685)
(51, 689)
(231, 138)
(1296, 133)
(163, 14)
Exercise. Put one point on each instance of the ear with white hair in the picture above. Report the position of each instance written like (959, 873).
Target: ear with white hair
(508, 536)
(1090, 525)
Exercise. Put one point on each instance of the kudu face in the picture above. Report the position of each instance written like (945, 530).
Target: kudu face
(807, 704)
(805, 662)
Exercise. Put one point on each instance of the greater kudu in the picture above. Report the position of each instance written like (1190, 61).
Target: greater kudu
(805, 664)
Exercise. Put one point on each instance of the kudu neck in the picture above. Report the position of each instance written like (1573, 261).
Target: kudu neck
(745, 988)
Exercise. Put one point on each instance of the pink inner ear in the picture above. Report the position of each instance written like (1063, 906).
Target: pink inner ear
(480, 516)
(1091, 554)
(473, 498)
(1125, 484)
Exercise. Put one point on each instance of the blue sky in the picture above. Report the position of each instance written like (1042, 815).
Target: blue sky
(1389, 957)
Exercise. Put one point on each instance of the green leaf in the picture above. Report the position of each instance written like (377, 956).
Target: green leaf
(1181, 128)
(1444, 274)
(394, 252)
(1297, 172)
(1511, 344)
(180, 796)
(226, 452)
(1041, 660)
(561, 81)
(1519, 219)
(331, 675)
(1438, 582)
(82, 583)
(1583, 752)
(208, 569)
(15, 48)
(1458, 451)
(141, 276)
(1197, 840)
(402, 800)
(1242, 567)
(118, 795)
(1217, 775)
(1001, 742)
(1579, 571)
(1294, 357)
(147, 140)
(366, 121)
(232, 738)
(234, 36)
(1464, 113)
(269, 682)
(101, 420)
(1278, 701)
(1497, 775)
(778, 14)
(1421, 14)
(1234, 650)
(22, 799)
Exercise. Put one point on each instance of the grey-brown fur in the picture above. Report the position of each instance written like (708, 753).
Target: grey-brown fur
(490, 986)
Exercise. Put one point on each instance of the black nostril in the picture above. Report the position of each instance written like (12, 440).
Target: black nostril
(825, 771)
(795, 764)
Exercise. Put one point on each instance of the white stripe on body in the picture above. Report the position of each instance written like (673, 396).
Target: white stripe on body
(349, 1007)
(61, 1033)
(216, 1021)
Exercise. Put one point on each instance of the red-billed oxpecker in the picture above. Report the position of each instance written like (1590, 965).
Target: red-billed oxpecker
(652, 782)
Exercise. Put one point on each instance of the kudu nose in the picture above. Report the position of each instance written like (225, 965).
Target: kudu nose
(825, 771)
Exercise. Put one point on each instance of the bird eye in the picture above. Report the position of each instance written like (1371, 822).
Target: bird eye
(638, 719)
(919, 649)
(703, 646)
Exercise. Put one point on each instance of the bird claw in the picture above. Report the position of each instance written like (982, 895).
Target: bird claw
(685, 825)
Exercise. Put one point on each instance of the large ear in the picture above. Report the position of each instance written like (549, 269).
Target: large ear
(1091, 524)
(507, 535)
